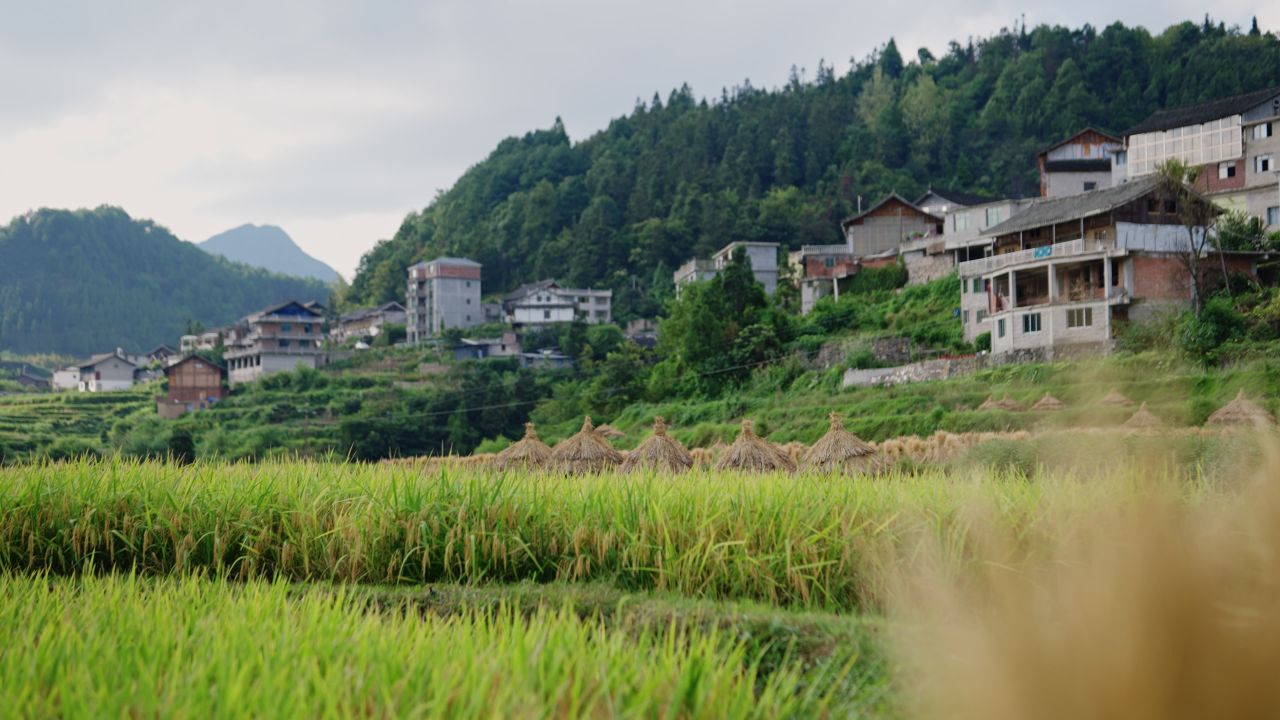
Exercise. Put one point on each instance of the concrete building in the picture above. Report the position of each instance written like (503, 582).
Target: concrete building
(1233, 140)
(367, 323)
(1065, 270)
(821, 269)
(66, 377)
(106, 372)
(506, 345)
(443, 293)
(194, 384)
(761, 256)
(941, 203)
(887, 225)
(278, 339)
(1077, 164)
(546, 303)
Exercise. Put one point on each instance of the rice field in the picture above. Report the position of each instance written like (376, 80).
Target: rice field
(298, 588)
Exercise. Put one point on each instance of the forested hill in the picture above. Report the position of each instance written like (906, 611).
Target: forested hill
(88, 281)
(683, 176)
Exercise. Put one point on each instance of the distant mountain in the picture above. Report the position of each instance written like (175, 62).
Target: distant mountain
(270, 248)
(86, 281)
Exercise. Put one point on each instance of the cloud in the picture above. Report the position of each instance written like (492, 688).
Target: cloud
(333, 119)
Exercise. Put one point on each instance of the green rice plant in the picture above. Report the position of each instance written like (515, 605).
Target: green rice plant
(803, 540)
(123, 646)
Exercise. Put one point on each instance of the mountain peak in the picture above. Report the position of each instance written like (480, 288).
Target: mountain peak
(268, 247)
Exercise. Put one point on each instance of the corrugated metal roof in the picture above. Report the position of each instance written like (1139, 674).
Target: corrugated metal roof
(1203, 112)
(1050, 211)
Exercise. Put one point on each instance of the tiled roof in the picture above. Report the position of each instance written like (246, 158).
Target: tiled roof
(1203, 112)
(1049, 211)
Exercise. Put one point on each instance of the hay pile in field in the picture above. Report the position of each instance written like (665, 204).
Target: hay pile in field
(585, 452)
(659, 451)
(794, 450)
(1115, 397)
(1241, 411)
(1049, 403)
(1144, 419)
(839, 451)
(989, 403)
(706, 457)
(751, 453)
(608, 431)
(529, 452)
(1009, 404)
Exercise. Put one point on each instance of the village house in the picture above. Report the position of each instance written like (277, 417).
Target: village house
(104, 373)
(820, 269)
(443, 293)
(546, 303)
(761, 256)
(367, 323)
(886, 226)
(1066, 270)
(194, 384)
(1077, 164)
(965, 236)
(278, 339)
(506, 345)
(161, 355)
(545, 360)
(1234, 142)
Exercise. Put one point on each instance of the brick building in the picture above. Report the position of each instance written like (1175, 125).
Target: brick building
(443, 293)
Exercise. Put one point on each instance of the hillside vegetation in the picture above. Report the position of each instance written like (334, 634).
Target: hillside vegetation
(89, 281)
(679, 176)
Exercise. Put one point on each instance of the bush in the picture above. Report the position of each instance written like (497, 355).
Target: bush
(1201, 336)
(867, 280)
(982, 343)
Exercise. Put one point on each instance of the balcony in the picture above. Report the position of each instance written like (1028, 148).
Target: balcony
(1070, 248)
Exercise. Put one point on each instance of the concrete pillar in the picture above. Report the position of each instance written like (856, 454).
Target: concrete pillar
(1106, 281)
(1053, 284)
(1013, 291)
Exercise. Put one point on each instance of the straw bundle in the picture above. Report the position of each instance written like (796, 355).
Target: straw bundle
(751, 453)
(1241, 411)
(529, 452)
(794, 451)
(1008, 403)
(659, 451)
(1143, 420)
(1050, 403)
(608, 431)
(585, 452)
(1115, 397)
(838, 450)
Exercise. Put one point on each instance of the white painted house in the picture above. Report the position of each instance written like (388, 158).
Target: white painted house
(106, 372)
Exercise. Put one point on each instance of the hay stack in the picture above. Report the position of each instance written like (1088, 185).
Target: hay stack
(1115, 397)
(1009, 404)
(1143, 420)
(838, 450)
(530, 452)
(585, 452)
(659, 451)
(1241, 411)
(608, 431)
(1049, 403)
(751, 453)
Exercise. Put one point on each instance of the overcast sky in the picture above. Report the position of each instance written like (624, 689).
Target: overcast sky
(335, 119)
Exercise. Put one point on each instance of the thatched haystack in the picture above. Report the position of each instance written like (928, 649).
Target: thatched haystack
(1049, 403)
(529, 452)
(660, 452)
(1009, 404)
(1115, 397)
(1144, 419)
(794, 451)
(1241, 411)
(838, 451)
(751, 453)
(585, 452)
(608, 431)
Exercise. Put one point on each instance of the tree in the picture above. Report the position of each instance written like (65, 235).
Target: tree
(1175, 188)
(891, 59)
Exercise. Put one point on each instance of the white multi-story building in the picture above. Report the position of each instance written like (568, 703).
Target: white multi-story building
(546, 303)
(761, 256)
(443, 293)
(278, 339)
(1233, 140)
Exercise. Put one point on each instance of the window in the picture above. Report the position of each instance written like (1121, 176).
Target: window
(602, 300)
(1079, 317)
(284, 343)
(468, 301)
(1226, 170)
(1153, 205)
(1031, 323)
(582, 300)
(546, 314)
(980, 316)
(286, 328)
(468, 283)
(993, 216)
(965, 319)
(960, 221)
(1262, 163)
(977, 285)
(1122, 158)
(1000, 328)
(828, 263)
(306, 328)
(1273, 216)
(1090, 185)
(1262, 130)
(1170, 207)
(468, 318)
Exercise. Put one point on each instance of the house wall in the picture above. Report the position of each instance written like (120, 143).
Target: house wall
(928, 264)
(1054, 333)
(1060, 184)
(194, 381)
(1209, 182)
(66, 379)
(110, 374)
(887, 227)
(973, 307)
